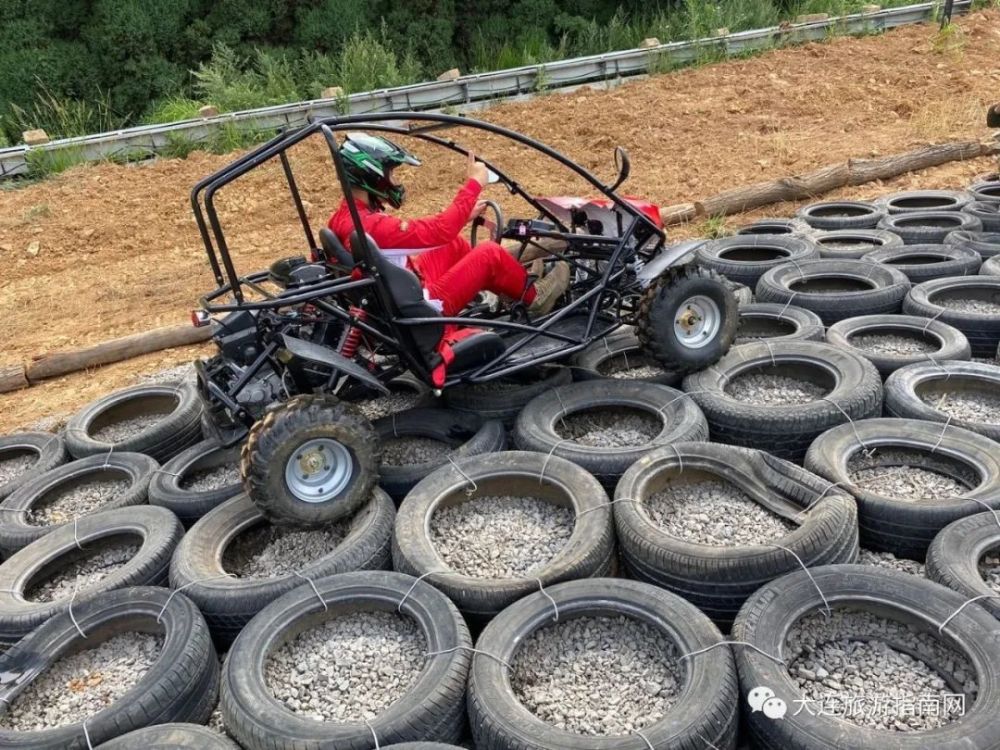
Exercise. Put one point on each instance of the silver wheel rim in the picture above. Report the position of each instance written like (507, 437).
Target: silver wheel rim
(697, 322)
(319, 470)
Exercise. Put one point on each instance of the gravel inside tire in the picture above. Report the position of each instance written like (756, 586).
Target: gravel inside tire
(197, 480)
(406, 392)
(26, 455)
(70, 491)
(765, 320)
(878, 620)
(575, 681)
(749, 397)
(917, 201)
(925, 262)
(606, 425)
(963, 557)
(987, 244)
(147, 659)
(359, 611)
(910, 478)
(888, 561)
(988, 214)
(620, 356)
(835, 289)
(893, 341)
(531, 519)
(744, 258)
(233, 563)
(853, 244)
(171, 737)
(158, 420)
(971, 304)
(504, 399)
(990, 267)
(834, 215)
(775, 226)
(929, 227)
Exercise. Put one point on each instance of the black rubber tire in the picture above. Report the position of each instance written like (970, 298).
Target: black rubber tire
(228, 602)
(951, 343)
(898, 525)
(775, 226)
(852, 244)
(920, 201)
(48, 449)
(283, 430)
(745, 258)
(766, 320)
(769, 614)
(954, 555)
(990, 267)
(986, 192)
(172, 737)
(786, 431)
(433, 709)
(987, 213)
(925, 262)
(189, 505)
(157, 530)
(17, 532)
(902, 387)
(622, 344)
(705, 714)
(982, 329)
(179, 429)
(987, 244)
(718, 580)
(887, 288)
(835, 215)
(181, 686)
(506, 404)
(929, 227)
(536, 428)
(660, 306)
(588, 553)
(468, 434)
(421, 746)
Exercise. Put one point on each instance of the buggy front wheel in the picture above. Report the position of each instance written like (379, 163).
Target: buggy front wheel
(688, 319)
(310, 461)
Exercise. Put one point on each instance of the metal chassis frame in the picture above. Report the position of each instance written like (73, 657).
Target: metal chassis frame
(400, 340)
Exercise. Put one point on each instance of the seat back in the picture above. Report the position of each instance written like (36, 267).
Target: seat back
(335, 249)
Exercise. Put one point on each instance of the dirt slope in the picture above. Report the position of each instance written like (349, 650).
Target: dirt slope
(118, 251)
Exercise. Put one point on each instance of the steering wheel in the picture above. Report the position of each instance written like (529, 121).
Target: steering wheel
(498, 218)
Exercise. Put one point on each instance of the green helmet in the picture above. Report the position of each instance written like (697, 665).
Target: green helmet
(369, 161)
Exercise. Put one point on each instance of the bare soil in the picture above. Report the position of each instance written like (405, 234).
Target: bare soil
(118, 250)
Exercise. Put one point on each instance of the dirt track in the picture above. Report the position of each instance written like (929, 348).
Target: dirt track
(118, 251)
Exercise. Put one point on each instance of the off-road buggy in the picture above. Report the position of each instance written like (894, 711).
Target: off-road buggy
(300, 341)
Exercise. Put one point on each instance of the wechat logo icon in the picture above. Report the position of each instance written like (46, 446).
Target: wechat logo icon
(762, 699)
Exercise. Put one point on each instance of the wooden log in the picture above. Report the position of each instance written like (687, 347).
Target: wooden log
(51, 365)
(12, 378)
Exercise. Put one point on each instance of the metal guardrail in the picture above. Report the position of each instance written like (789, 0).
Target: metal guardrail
(471, 91)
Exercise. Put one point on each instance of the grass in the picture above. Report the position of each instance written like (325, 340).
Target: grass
(45, 163)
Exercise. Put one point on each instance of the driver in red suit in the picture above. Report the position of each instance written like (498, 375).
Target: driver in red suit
(451, 271)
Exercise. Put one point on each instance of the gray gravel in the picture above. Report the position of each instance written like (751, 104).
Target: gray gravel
(714, 512)
(78, 686)
(170, 375)
(63, 506)
(989, 569)
(348, 669)
(14, 465)
(855, 654)
(597, 676)
(620, 427)
(211, 479)
(892, 344)
(898, 474)
(410, 450)
(968, 406)
(383, 406)
(101, 559)
(773, 390)
(500, 537)
(889, 561)
(116, 432)
(267, 551)
(977, 306)
(631, 366)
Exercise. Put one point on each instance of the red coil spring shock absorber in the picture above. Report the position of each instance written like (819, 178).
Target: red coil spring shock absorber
(353, 336)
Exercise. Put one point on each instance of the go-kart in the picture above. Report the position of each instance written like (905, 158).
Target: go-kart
(301, 340)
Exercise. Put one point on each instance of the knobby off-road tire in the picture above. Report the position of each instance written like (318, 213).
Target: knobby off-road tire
(744, 258)
(949, 342)
(769, 614)
(587, 553)
(156, 530)
(897, 524)
(925, 262)
(317, 422)
(834, 215)
(835, 289)
(433, 709)
(181, 686)
(624, 345)
(667, 300)
(17, 531)
(537, 428)
(229, 602)
(171, 737)
(929, 227)
(467, 434)
(44, 449)
(852, 244)
(954, 555)
(706, 711)
(718, 580)
(506, 403)
(767, 320)
(918, 201)
(167, 490)
(179, 428)
(786, 431)
(982, 329)
(987, 244)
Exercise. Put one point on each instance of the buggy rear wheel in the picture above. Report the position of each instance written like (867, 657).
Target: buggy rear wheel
(310, 461)
(688, 319)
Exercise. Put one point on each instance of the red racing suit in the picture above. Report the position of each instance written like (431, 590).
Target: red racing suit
(451, 271)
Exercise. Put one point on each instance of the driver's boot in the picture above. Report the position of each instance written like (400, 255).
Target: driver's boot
(549, 289)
